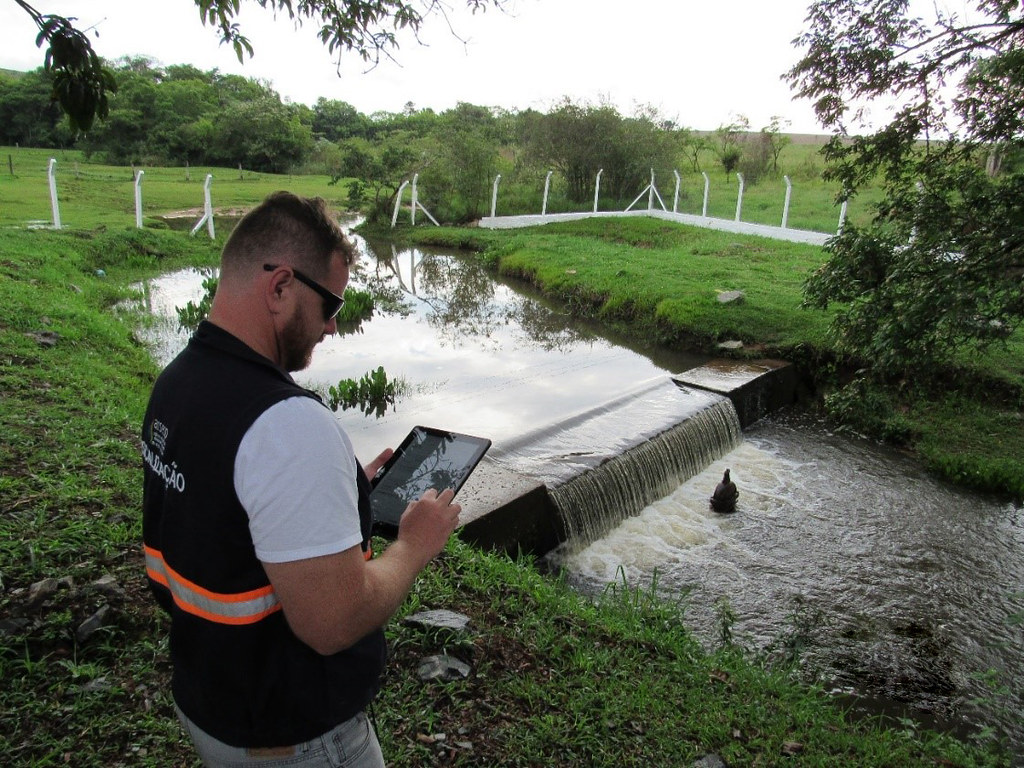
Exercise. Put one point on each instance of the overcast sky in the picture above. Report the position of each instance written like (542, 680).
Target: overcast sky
(700, 63)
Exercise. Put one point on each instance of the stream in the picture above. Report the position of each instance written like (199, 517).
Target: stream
(900, 589)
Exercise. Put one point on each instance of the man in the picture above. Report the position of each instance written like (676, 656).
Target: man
(256, 519)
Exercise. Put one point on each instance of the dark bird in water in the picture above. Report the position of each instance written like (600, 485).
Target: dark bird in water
(725, 495)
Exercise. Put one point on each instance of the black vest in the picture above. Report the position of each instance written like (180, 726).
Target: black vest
(239, 672)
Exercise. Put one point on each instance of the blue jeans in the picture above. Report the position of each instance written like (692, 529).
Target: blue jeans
(353, 744)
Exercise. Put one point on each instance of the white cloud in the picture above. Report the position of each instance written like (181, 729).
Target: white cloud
(699, 63)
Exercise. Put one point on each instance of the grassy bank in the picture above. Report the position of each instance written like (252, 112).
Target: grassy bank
(554, 679)
(662, 280)
(95, 195)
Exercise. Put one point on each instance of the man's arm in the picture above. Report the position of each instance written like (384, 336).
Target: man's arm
(333, 601)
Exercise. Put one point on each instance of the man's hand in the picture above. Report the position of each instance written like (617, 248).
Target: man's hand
(374, 466)
(426, 524)
(330, 602)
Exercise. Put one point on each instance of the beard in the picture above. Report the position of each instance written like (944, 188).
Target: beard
(296, 350)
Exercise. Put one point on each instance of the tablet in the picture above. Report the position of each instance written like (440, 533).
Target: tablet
(427, 458)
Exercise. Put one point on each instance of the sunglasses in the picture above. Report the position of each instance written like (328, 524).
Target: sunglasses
(332, 301)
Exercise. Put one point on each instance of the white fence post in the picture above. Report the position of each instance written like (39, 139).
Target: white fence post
(842, 217)
(207, 209)
(675, 198)
(417, 204)
(547, 184)
(398, 203)
(54, 206)
(785, 207)
(494, 195)
(597, 188)
(138, 198)
(707, 186)
(415, 200)
(739, 197)
(208, 204)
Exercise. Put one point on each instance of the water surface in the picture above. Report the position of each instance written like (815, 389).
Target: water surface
(475, 354)
(902, 587)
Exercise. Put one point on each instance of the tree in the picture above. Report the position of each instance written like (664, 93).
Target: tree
(464, 162)
(579, 140)
(761, 150)
(365, 27)
(775, 140)
(337, 120)
(382, 165)
(574, 140)
(261, 134)
(693, 145)
(27, 116)
(941, 266)
(728, 137)
(181, 104)
(124, 135)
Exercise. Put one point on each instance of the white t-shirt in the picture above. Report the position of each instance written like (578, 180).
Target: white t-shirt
(295, 475)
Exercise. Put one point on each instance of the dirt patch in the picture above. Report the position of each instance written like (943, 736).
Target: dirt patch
(191, 213)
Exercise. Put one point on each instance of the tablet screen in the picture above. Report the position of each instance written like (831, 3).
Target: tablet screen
(427, 458)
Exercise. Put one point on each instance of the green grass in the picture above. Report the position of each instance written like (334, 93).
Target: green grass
(556, 679)
(93, 195)
(813, 201)
(69, 500)
(986, 437)
(663, 279)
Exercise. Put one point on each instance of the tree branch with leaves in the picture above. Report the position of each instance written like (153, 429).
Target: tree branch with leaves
(941, 267)
(80, 82)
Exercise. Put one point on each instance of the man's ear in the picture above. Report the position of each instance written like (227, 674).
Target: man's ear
(274, 294)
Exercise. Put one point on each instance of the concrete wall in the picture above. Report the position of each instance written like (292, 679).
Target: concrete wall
(724, 225)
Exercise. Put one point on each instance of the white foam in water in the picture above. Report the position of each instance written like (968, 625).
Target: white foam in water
(668, 530)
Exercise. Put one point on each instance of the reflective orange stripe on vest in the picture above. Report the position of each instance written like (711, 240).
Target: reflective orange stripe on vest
(223, 608)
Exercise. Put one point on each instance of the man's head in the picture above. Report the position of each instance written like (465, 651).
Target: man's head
(283, 271)
(286, 228)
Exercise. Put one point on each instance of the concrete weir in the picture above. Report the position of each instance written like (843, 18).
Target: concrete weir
(756, 388)
(516, 499)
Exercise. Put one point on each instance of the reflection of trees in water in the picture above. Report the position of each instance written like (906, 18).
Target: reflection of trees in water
(461, 298)
(379, 278)
(547, 328)
(464, 301)
(193, 313)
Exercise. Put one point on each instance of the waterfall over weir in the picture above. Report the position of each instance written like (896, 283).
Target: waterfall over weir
(565, 483)
(593, 503)
(574, 479)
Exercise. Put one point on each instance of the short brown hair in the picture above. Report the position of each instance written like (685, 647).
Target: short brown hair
(286, 228)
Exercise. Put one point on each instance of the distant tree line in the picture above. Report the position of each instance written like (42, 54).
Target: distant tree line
(159, 115)
(177, 114)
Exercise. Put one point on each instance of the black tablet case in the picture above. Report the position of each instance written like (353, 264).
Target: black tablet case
(427, 458)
